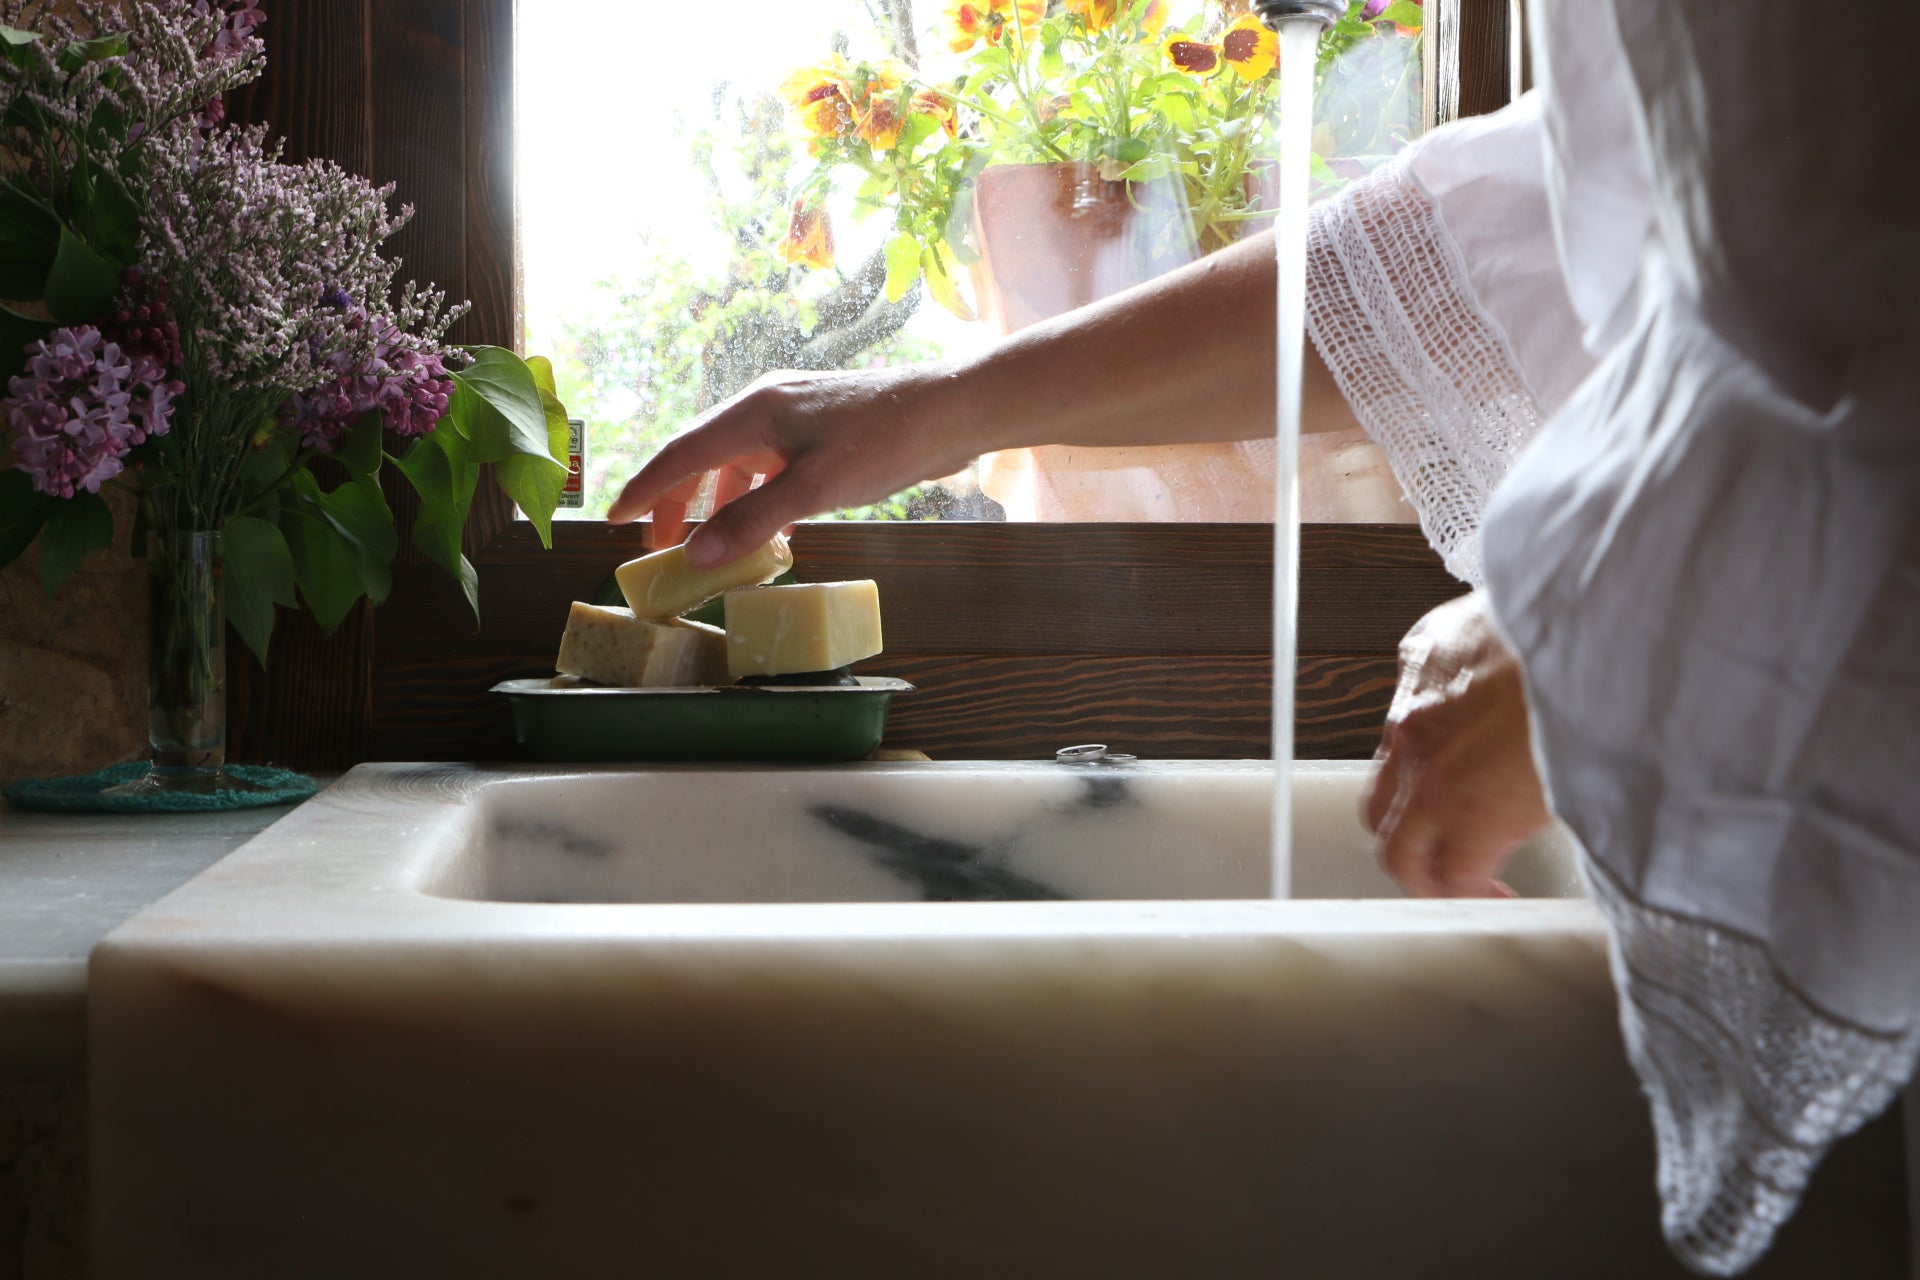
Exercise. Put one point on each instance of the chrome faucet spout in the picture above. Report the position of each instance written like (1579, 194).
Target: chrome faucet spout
(1325, 12)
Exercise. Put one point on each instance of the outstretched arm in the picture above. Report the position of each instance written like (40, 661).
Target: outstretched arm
(1186, 358)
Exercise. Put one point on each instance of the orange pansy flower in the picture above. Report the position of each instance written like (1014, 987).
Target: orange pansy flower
(879, 115)
(932, 102)
(1249, 48)
(967, 22)
(1100, 14)
(809, 239)
(1097, 14)
(822, 97)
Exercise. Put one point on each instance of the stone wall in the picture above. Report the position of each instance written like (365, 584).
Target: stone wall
(73, 680)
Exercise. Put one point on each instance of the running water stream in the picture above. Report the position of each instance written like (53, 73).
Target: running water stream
(1299, 54)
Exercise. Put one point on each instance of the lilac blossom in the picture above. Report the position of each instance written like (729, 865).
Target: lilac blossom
(81, 407)
(410, 388)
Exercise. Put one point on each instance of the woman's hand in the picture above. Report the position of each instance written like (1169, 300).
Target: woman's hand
(1456, 791)
(814, 442)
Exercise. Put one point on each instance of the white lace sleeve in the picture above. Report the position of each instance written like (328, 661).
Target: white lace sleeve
(1389, 311)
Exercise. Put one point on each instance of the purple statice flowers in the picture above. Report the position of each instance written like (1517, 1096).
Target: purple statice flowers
(81, 407)
(256, 251)
(410, 388)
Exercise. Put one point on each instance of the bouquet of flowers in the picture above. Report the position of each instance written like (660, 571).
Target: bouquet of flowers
(185, 313)
(1117, 85)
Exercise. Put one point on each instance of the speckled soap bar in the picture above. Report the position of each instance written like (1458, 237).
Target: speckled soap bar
(610, 646)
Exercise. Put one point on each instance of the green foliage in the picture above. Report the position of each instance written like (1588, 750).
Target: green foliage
(260, 576)
(81, 281)
(299, 526)
(1066, 88)
(644, 355)
(23, 510)
(73, 528)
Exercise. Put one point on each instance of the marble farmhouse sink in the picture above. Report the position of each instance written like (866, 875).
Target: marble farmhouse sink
(942, 833)
(879, 1020)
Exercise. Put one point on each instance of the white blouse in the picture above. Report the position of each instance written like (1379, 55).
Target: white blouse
(1685, 280)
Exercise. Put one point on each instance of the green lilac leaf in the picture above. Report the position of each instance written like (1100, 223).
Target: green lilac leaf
(23, 509)
(460, 410)
(324, 567)
(75, 527)
(1403, 12)
(358, 512)
(507, 418)
(535, 484)
(361, 451)
(542, 370)
(80, 52)
(81, 284)
(262, 468)
(445, 485)
(13, 47)
(259, 573)
(116, 219)
(29, 240)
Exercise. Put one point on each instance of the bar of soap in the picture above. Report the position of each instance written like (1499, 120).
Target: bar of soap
(608, 645)
(663, 586)
(811, 626)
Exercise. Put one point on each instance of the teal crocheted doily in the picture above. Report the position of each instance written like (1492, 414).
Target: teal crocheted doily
(87, 793)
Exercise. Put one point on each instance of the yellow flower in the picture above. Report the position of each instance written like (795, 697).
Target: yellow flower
(1097, 14)
(1195, 57)
(932, 102)
(1250, 48)
(967, 22)
(878, 114)
(809, 237)
(1100, 14)
(822, 97)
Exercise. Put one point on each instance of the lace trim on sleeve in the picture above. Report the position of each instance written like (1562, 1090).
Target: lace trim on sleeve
(1428, 374)
(1748, 1081)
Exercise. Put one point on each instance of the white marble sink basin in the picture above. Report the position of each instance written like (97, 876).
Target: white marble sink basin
(456, 1022)
(930, 833)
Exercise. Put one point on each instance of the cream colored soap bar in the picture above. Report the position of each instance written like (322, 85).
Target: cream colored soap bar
(611, 646)
(663, 586)
(813, 626)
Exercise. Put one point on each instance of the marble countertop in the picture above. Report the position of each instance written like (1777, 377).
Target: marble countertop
(68, 880)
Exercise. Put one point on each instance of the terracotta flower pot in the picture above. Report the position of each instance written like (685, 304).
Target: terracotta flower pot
(1053, 237)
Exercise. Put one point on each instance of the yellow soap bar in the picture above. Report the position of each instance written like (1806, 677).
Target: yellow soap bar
(608, 645)
(812, 626)
(663, 586)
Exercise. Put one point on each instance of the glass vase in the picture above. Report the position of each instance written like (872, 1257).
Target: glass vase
(186, 667)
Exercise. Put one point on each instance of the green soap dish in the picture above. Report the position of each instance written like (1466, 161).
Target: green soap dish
(569, 720)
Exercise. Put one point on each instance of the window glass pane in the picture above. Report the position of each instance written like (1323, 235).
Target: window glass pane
(845, 183)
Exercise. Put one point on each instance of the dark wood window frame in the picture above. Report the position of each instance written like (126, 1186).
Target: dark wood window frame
(1021, 638)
